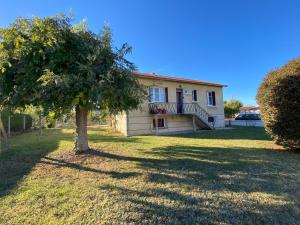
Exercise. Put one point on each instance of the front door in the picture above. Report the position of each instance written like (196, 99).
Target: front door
(179, 100)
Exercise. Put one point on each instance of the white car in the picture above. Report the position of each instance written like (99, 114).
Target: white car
(248, 119)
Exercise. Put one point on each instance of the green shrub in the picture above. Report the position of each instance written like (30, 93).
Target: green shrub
(16, 121)
(231, 107)
(50, 120)
(279, 100)
(50, 123)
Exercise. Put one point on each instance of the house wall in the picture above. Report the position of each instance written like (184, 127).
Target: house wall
(141, 122)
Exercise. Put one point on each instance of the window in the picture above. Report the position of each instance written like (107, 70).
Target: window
(194, 95)
(160, 123)
(158, 94)
(211, 98)
(211, 120)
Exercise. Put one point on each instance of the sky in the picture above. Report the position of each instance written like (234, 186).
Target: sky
(233, 42)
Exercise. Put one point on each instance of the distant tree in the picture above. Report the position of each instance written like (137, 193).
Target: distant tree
(231, 107)
(48, 62)
(279, 100)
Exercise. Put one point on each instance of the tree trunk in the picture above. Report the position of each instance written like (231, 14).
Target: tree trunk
(81, 137)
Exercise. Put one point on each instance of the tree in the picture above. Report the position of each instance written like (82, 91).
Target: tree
(232, 107)
(279, 100)
(48, 62)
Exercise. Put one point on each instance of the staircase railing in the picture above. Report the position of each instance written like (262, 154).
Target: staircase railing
(184, 108)
(203, 115)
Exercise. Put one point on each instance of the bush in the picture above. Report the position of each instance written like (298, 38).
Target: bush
(279, 100)
(50, 120)
(16, 121)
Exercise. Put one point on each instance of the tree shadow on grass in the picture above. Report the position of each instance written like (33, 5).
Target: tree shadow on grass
(28, 149)
(24, 153)
(184, 171)
(63, 163)
(230, 169)
(112, 138)
(234, 169)
(164, 206)
(236, 133)
(237, 171)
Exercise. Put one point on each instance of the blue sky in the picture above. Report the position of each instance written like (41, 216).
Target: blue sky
(235, 42)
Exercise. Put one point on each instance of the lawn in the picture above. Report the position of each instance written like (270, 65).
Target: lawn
(217, 177)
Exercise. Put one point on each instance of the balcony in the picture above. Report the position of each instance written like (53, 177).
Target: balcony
(171, 108)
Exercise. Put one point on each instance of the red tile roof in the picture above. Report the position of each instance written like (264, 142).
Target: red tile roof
(182, 80)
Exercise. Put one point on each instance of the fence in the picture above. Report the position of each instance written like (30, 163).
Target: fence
(245, 123)
(95, 118)
(16, 122)
(13, 123)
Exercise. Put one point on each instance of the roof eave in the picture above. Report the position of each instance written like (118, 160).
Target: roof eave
(179, 80)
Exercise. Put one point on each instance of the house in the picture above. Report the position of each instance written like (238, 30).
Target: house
(174, 105)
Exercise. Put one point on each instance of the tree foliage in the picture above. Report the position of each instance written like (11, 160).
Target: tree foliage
(49, 62)
(231, 107)
(279, 100)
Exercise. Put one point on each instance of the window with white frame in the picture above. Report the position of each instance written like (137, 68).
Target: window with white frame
(211, 98)
(157, 94)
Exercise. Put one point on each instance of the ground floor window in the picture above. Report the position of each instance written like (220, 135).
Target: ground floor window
(212, 120)
(160, 123)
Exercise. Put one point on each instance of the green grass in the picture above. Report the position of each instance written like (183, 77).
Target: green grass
(217, 177)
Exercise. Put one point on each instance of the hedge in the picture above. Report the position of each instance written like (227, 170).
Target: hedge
(279, 100)
(16, 121)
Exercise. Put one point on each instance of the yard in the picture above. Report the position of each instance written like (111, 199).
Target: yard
(217, 177)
